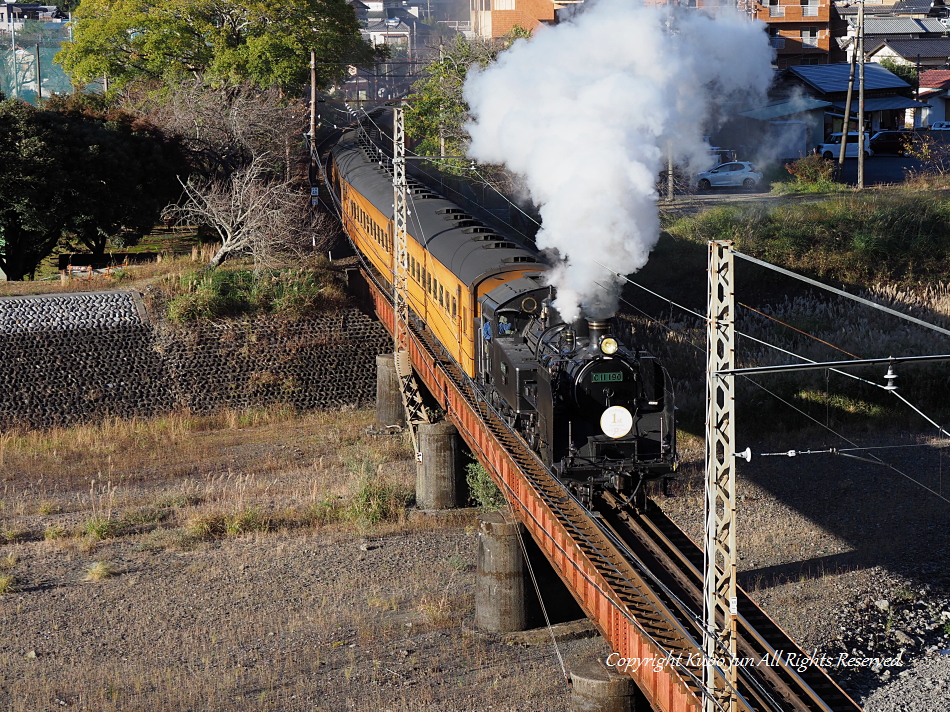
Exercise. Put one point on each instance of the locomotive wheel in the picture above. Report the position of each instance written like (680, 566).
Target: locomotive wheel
(704, 184)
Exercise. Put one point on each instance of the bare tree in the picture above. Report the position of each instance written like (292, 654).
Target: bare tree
(253, 212)
(225, 127)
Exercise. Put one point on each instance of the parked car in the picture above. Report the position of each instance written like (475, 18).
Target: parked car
(940, 126)
(892, 141)
(832, 147)
(735, 173)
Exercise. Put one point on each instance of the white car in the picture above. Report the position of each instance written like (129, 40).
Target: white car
(832, 147)
(735, 173)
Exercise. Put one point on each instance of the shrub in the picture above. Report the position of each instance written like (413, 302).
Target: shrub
(99, 570)
(100, 527)
(812, 174)
(55, 531)
(207, 526)
(231, 293)
(247, 520)
(482, 487)
(378, 500)
(9, 561)
(7, 584)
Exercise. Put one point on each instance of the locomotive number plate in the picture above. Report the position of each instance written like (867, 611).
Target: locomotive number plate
(610, 377)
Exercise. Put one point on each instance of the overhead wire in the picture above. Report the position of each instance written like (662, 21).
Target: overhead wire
(876, 460)
(689, 673)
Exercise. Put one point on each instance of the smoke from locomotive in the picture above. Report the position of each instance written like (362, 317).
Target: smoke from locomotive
(587, 111)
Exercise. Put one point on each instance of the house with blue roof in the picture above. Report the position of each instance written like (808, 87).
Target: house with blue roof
(887, 97)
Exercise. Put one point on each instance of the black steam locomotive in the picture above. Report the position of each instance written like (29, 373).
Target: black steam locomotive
(597, 410)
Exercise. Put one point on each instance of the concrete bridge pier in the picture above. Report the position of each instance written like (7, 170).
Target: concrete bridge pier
(500, 575)
(438, 475)
(389, 408)
(596, 688)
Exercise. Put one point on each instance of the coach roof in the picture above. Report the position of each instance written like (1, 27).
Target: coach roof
(466, 246)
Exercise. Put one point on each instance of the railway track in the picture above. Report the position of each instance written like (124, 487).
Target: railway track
(633, 571)
(677, 563)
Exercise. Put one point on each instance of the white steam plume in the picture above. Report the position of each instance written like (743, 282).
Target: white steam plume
(586, 111)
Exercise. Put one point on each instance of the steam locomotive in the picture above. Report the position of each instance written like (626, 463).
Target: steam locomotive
(598, 412)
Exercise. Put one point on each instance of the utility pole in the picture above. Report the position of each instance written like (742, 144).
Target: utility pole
(411, 397)
(313, 95)
(720, 601)
(39, 76)
(847, 110)
(669, 172)
(861, 98)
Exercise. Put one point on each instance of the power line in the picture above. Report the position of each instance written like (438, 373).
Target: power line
(842, 293)
(843, 452)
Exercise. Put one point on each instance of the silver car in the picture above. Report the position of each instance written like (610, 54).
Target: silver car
(733, 174)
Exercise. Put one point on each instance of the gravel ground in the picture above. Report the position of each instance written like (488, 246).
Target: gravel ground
(273, 622)
(849, 558)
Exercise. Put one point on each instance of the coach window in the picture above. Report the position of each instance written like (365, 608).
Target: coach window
(441, 303)
(454, 308)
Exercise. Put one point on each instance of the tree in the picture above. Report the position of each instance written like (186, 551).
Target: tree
(908, 72)
(254, 212)
(222, 128)
(267, 43)
(122, 173)
(436, 112)
(33, 184)
(68, 172)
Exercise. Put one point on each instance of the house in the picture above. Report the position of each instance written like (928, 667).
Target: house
(926, 52)
(802, 32)
(935, 90)
(13, 15)
(496, 18)
(920, 8)
(886, 96)
(361, 10)
(878, 29)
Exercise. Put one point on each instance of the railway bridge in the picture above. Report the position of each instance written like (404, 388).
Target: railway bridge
(633, 572)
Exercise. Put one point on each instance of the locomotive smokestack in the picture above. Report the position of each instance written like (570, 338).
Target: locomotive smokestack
(597, 329)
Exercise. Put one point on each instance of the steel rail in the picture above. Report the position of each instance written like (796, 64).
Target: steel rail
(760, 638)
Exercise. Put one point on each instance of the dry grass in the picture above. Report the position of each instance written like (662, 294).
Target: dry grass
(135, 276)
(8, 584)
(265, 559)
(98, 571)
(180, 480)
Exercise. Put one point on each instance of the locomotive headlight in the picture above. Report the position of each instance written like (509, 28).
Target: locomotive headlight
(609, 345)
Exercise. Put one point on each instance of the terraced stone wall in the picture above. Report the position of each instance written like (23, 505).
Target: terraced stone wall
(81, 357)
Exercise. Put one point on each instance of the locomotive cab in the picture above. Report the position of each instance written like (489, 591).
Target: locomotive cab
(509, 365)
